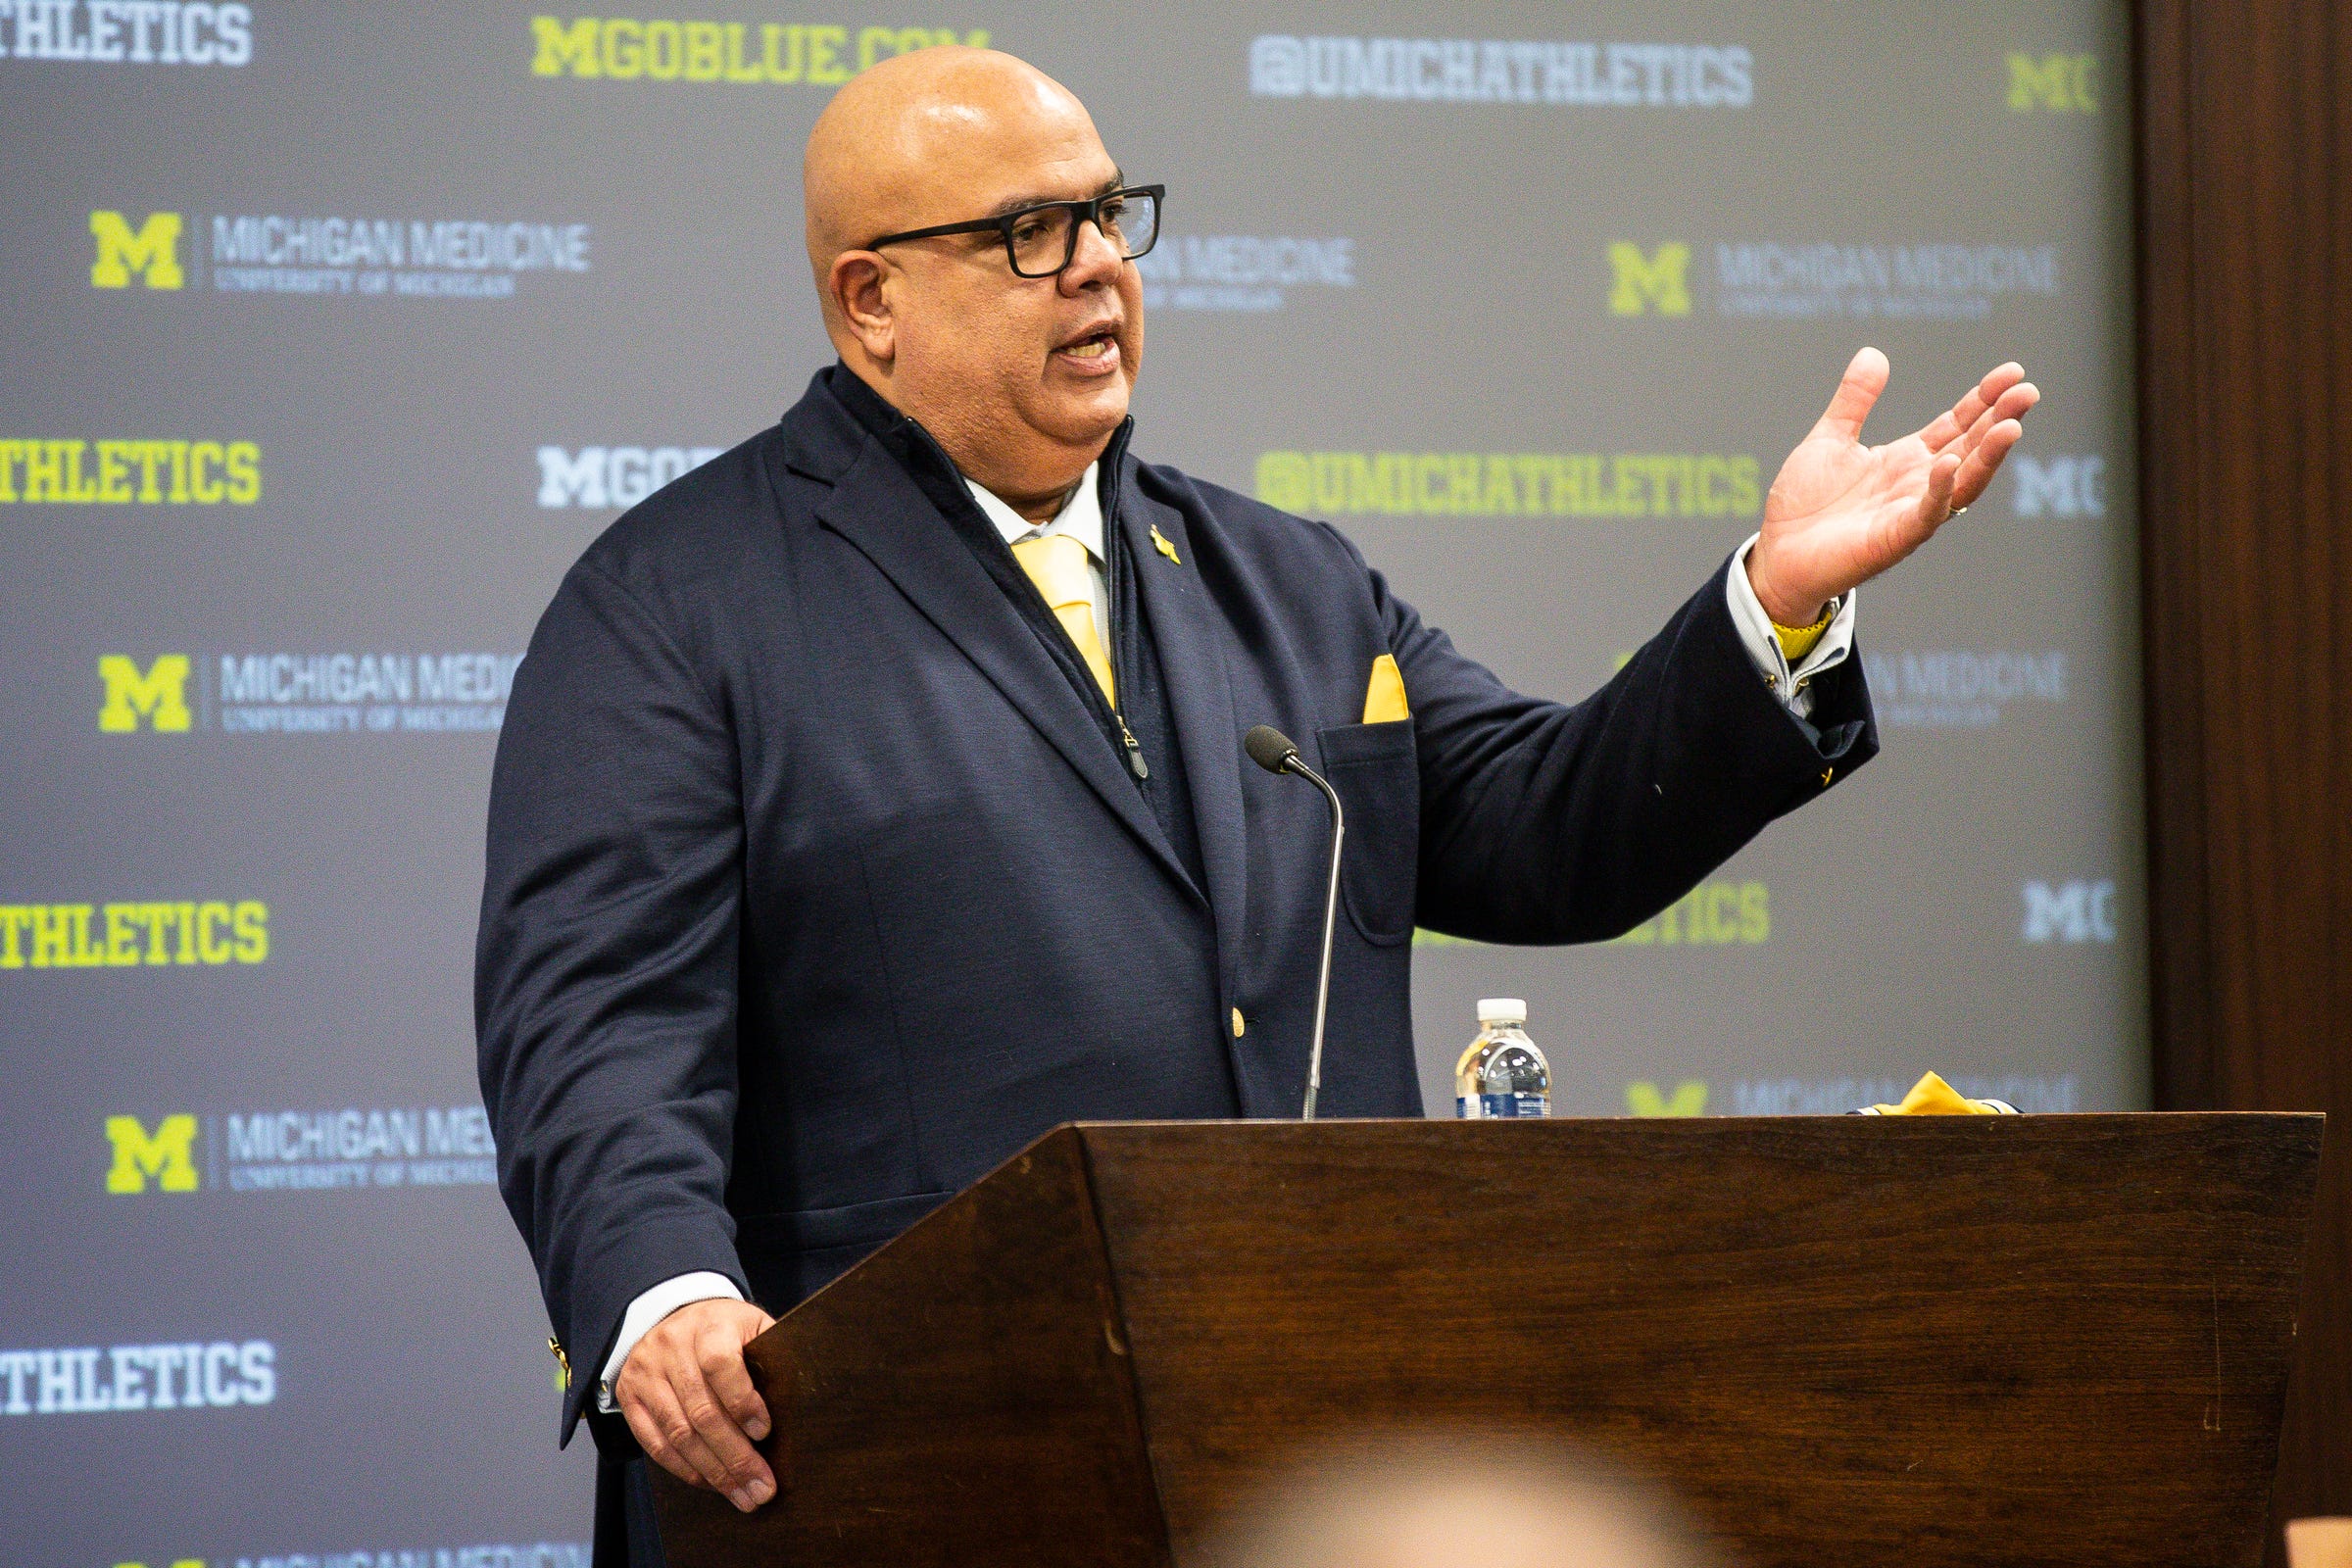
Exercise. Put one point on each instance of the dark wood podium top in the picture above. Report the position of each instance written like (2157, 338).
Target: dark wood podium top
(1853, 1340)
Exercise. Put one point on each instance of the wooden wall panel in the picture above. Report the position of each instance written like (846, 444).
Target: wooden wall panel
(2245, 164)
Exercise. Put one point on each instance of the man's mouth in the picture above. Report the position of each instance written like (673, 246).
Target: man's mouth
(1098, 347)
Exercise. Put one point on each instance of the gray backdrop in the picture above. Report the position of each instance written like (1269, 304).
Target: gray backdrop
(333, 332)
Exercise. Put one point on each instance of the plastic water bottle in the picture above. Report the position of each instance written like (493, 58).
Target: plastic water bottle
(1502, 1073)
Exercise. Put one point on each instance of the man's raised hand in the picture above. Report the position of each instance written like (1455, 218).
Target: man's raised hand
(689, 1400)
(1841, 513)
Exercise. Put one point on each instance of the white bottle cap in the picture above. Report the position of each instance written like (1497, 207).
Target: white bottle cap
(1502, 1009)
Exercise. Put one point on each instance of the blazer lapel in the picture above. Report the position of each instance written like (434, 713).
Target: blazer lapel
(881, 511)
(1192, 651)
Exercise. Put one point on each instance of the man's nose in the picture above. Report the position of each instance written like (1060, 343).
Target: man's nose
(1095, 261)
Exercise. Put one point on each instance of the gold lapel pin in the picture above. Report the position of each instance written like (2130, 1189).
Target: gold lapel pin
(1160, 542)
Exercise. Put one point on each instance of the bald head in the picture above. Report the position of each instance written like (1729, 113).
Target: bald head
(908, 143)
(1021, 380)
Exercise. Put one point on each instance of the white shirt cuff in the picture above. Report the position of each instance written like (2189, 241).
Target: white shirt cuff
(650, 1308)
(1788, 684)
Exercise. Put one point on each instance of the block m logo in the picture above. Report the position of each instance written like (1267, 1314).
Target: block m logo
(152, 250)
(1638, 282)
(2061, 486)
(1689, 1099)
(161, 694)
(2075, 912)
(167, 1156)
(566, 480)
(2063, 84)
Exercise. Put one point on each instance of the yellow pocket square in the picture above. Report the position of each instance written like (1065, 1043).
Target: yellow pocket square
(1932, 1096)
(1383, 697)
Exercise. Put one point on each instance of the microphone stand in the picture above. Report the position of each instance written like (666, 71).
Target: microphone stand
(1276, 753)
(1331, 912)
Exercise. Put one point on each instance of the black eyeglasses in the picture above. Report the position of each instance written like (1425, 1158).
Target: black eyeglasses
(1040, 241)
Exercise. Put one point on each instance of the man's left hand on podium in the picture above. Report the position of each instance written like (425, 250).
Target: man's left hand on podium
(1841, 513)
(689, 1400)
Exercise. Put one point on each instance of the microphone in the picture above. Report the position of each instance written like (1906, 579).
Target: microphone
(1275, 751)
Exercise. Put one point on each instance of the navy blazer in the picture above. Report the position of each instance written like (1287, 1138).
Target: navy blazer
(815, 889)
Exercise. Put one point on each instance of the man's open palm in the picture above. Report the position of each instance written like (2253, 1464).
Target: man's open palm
(1841, 513)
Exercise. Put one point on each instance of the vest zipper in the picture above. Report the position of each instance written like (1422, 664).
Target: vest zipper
(1134, 750)
(1120, 628)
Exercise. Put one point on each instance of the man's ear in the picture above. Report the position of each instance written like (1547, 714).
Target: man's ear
(856, 280)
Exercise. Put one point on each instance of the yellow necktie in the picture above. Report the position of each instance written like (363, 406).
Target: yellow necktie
(1057, 563)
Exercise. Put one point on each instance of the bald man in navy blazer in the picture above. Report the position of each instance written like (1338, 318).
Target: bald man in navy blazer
(872, 799)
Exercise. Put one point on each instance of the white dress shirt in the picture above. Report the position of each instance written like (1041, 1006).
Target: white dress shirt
(1081, 518)
(1764, 647)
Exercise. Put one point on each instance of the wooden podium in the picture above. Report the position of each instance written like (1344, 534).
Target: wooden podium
(1854, 1339)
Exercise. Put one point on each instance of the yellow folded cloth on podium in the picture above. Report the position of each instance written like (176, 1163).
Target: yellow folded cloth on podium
(1932, 1096)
